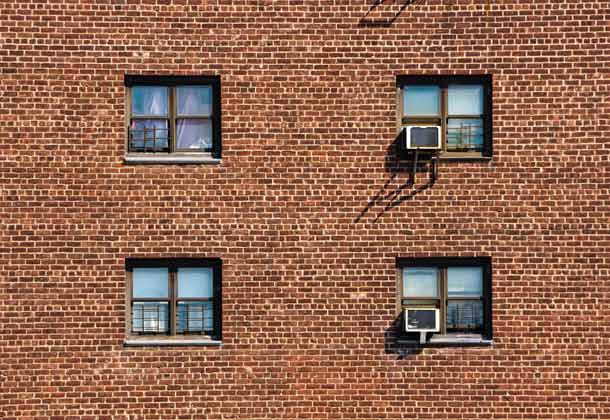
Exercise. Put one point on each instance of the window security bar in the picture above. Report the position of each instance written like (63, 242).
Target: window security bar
(149, 139)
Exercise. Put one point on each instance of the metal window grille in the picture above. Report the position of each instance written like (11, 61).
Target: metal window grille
(194, 317)
(149, 139)
(465, 137)
(150, 317)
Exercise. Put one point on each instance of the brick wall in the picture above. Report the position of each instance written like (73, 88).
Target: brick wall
(304, 210)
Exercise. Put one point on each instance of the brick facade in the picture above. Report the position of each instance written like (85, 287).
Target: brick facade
(308, 210)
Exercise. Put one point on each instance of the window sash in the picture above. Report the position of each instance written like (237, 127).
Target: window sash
(472, 134)
(154, 148)
(204, 308)
(408, 280)
(177, 113)
(143, 319)
(439, 104)
(165, 105)
(462, 317)
(175, 137)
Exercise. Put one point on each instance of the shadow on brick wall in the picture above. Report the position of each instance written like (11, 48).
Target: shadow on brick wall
(401, 184)
(383, 13)
(396, 342)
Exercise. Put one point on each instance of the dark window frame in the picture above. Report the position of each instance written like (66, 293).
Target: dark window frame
(171, 82)
(172, 264)
(443, 81)
(443, 263)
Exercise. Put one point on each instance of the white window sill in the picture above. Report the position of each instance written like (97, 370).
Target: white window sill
(460, 340)
(458, 157)
(173, 159)
(166, 342)
(455, 340)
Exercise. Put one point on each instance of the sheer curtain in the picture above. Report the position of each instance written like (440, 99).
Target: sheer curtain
(194, 133)
(149, 101)
(194, 100)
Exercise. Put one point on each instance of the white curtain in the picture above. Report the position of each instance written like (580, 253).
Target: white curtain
(149, 100)
(194, 133)
(194, 100)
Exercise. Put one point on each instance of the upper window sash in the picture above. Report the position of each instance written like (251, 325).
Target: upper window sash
(194, 101)
(422, 101)
(150, 101)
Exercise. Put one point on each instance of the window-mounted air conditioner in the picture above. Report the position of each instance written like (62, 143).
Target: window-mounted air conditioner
(427, 137)
(422, 319)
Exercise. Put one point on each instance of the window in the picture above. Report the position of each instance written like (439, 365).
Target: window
(174, 298)
(459, 287)
(173, 116)
(459, 105)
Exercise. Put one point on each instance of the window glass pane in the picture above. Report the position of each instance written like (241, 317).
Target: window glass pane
(421, 100)
(420, 282)
(148, 134)
(194, 100)
(194, 134)
(465, 134)
(464, 315)
(194, 317)
(465, 281)
(465, 99)
(150, 282)
(195, 282)
(150, 317)
(149, 100)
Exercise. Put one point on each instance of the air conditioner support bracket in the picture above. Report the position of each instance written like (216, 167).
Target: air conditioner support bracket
(433, 167)
(422, 337)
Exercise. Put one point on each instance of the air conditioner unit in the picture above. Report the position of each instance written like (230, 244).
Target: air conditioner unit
(420, 319)
(426, 137)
